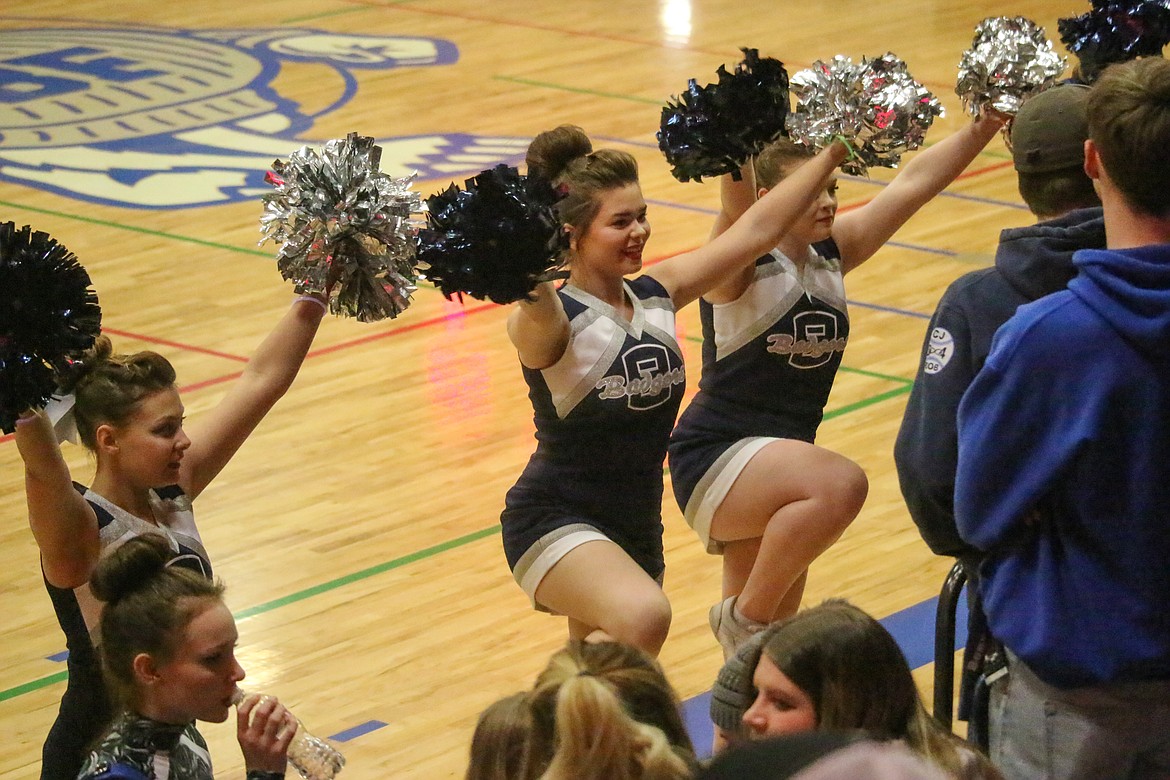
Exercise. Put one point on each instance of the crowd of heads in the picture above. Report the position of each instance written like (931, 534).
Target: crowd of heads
(598, 710)
(606, 709)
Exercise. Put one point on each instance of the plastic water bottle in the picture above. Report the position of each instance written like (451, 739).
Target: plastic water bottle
(312, 757)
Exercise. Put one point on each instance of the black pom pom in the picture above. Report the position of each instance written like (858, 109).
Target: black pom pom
(496, 239)
(48, 314)
(1116, 31)
(713, 130)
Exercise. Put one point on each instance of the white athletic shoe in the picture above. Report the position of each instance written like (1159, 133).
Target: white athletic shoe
(731, 629)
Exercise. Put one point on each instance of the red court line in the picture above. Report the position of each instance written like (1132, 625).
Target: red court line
(352, 343)
(404, 329)
(999, 166)
(729, 54)
(314, 353)
(436, 320)
(178, 345)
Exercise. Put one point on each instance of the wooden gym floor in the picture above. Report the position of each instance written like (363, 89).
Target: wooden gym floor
(357, 529)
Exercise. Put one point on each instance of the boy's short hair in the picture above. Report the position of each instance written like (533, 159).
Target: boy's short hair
(1129, 122)
(1054, 193)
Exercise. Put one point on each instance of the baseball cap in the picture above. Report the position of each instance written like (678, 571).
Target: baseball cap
(1049, 131)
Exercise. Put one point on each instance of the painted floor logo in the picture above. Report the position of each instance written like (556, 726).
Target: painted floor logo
(166, 119)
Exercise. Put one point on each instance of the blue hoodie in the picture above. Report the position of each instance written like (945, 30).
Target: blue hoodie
(1064, 474)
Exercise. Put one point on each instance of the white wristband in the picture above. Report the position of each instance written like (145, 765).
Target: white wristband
(314, 299)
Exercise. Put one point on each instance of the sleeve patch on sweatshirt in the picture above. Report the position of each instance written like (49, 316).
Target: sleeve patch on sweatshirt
(938, 351)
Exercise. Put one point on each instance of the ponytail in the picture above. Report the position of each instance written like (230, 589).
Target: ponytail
(597, 740)
(610, 713)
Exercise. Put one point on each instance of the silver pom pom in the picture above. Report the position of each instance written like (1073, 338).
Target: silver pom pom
(828, 102)
(876, 106)
(1010, 60)
(344, 227)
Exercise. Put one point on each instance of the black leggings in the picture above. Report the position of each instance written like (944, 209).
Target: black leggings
(83, 717)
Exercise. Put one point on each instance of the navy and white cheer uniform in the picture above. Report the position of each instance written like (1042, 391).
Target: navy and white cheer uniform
(769, 359)
(603, 416)
(85, 707)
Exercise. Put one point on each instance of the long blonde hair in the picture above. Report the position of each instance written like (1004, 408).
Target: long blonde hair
(612, 714)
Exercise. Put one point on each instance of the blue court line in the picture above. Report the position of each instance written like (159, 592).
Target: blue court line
(705, 210)
(683, 206)
(59, 658)
(989, 201)
(846, 177)
(921, 248)
(357, 731)
(912, 628)
(890, 309)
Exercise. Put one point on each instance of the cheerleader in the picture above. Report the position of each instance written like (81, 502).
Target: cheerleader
(128, 413)
(743, 464)
(582, 527)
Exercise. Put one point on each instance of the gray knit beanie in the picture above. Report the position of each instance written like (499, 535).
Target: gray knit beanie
(733, 691)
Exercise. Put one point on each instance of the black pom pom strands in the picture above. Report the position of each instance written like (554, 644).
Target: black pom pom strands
(495, 239)
(48, 314)
(713, 130)
(1116, 31)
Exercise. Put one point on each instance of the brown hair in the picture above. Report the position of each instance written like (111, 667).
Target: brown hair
(857, 678)
(1129, 122)
(109, 387)
(1053, 193)
(501, 747)
(565, 157)
(777, 161)
(611, 713)
(147, 606)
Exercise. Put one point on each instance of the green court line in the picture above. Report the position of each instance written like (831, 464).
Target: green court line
(323, 15)
(578, 90)
(340, 11)
(428, 552)
(381, 568)
(985, 152)
(846, 369)
(876, 375)
(876, 399)
(173, 236)
(292, 598)
(35, 685)
(136, 229)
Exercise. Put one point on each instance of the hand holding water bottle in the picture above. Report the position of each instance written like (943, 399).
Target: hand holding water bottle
(269, 734)
(265, 729)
